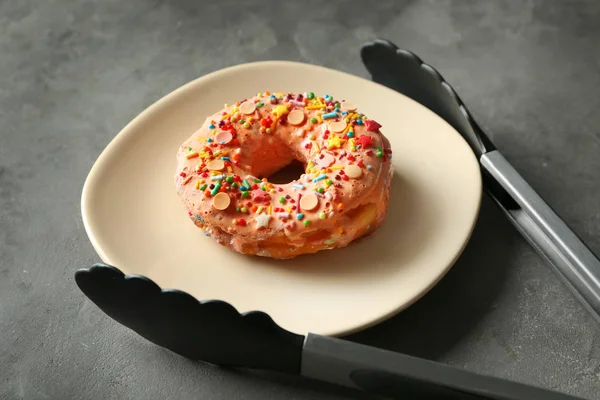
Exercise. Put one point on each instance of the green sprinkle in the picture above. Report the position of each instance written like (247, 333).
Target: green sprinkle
(313, 120)
(268, 130)
(245, 194)
(189, 149)
(329, 181)
(229, 179)
(247, 184)
(234, 184)
(244, 210)
(322, 215)
(259, 104)
(216, 189)
(237, 209)
(241, 121)
(282, 200)
(379, 153)
(247, 125)
(203, 186)
(257, 181)
(306, 222)
(336, 105)
(321, 190)
(311, 95)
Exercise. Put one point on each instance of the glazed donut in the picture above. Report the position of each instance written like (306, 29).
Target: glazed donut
(223, 175)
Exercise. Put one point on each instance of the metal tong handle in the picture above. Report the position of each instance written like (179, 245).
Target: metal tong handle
(547, 233)
(399, 376)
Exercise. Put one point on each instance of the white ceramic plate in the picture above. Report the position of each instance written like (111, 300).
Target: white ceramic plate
(137, 223)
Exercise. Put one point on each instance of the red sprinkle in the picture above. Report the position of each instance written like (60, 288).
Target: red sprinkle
(182, 174)
(365, 141)
(372, 126)
(241, 222)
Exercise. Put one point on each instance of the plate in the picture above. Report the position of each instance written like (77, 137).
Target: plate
(137, 223)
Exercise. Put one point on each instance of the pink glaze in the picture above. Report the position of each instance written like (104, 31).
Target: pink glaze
(256, 145)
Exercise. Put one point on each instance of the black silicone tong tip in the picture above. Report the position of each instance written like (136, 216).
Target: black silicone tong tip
(211, 331)
(406, 73)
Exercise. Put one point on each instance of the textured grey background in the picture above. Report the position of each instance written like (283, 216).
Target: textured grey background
(72, 73)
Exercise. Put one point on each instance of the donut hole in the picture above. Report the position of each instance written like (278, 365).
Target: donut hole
(287, 174)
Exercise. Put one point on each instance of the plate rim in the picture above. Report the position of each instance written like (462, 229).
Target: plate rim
(127, 132)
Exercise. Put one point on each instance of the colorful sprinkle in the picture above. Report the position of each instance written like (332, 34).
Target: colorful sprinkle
(306, 223)
(329, 115)
(298, 186)
(216, 189)
(319, 178)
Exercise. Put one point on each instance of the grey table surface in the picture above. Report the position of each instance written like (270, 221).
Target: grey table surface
(73, 73)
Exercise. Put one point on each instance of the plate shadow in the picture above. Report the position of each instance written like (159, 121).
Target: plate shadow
(435, 323)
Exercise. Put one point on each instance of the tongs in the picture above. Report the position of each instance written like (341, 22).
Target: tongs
(214, 332)
(547, 233)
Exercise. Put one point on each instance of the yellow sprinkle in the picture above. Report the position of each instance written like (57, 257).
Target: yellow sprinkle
(320, 118)
(274, 123)
(191, 155)
(229, 169)
(336, 167)
(197, 184)
(314, 107)
(352, 144)
(317, 146)
(200, 138)
(289, 209)
(189, 178)
(347, 129)
(272, 191)
(259, 209)
(269, 210)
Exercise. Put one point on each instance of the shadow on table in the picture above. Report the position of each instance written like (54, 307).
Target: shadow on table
(434, 324)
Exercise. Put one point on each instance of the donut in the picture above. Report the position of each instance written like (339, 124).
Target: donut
(223, 172)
